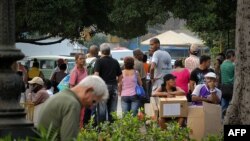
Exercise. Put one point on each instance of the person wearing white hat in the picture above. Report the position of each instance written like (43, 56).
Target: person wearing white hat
(38, 93)
(207, 92)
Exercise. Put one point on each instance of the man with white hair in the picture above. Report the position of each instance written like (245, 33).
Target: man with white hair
(62, 111)
(109, 70)
(192, 61)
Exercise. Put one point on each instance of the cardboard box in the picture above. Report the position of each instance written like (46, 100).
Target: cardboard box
(149, 111)
(154, 106)
(204, 120)
(173, 107)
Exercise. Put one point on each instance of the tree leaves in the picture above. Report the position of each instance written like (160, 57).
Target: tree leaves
(126, 19)
(123, 18)
(212, 18)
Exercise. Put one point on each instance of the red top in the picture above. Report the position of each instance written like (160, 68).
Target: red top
(182, 79)
(77, 75)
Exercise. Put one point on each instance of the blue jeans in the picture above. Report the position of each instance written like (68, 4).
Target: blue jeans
(130, 103)
(224, 106)
(112, 101)
(102, 111)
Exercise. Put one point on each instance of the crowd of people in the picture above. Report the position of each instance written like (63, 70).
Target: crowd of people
(96, 82)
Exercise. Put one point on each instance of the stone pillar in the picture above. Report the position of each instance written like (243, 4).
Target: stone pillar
(12, 115)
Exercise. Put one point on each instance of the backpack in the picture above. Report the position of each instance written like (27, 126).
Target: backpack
(90, 67)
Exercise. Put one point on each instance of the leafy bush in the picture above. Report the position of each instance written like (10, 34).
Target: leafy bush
(131, 128)
(214, 138)
(128, 128)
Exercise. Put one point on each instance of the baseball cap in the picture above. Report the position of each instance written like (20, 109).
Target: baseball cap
(194, 48)
(36, 80)
(210, 75)
(168, 77)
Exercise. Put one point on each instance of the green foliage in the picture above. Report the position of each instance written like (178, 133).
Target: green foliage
(213, 20)
(9, 138)
(214, 52)
(57, 17)
(47, 134)
(89, 132)
(98, 39)
(130, 128)
(126, 19)
(214, 138)
(131, 18)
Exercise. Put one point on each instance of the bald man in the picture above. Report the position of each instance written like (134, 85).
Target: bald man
(160, 64)
(93, 51)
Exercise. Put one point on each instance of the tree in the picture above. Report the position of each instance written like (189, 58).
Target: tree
(97, 39)
(213, 20)
(65, 18)
(239, 110)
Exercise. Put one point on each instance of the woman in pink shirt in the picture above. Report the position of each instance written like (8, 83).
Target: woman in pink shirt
(129, 99)
(182, 75)
(78, 73)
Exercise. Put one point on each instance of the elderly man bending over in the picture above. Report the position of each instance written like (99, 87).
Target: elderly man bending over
(62, 111)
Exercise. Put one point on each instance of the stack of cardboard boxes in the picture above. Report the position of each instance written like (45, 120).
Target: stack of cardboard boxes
(202, 120)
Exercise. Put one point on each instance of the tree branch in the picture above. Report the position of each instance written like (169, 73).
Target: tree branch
(32, 41)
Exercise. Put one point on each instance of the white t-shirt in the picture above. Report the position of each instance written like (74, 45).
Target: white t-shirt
(162, 59)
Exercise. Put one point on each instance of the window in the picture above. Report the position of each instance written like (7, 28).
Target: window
(47, 64)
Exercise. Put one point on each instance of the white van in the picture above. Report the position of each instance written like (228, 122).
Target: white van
(119, 55)
(48, 63)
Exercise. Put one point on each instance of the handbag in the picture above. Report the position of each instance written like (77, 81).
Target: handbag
(139, 89)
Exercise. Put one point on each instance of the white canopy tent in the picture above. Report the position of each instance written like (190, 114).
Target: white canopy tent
(171, 38)
(192, 39)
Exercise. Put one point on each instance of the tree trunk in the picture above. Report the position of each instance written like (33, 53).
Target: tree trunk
(239, 109)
